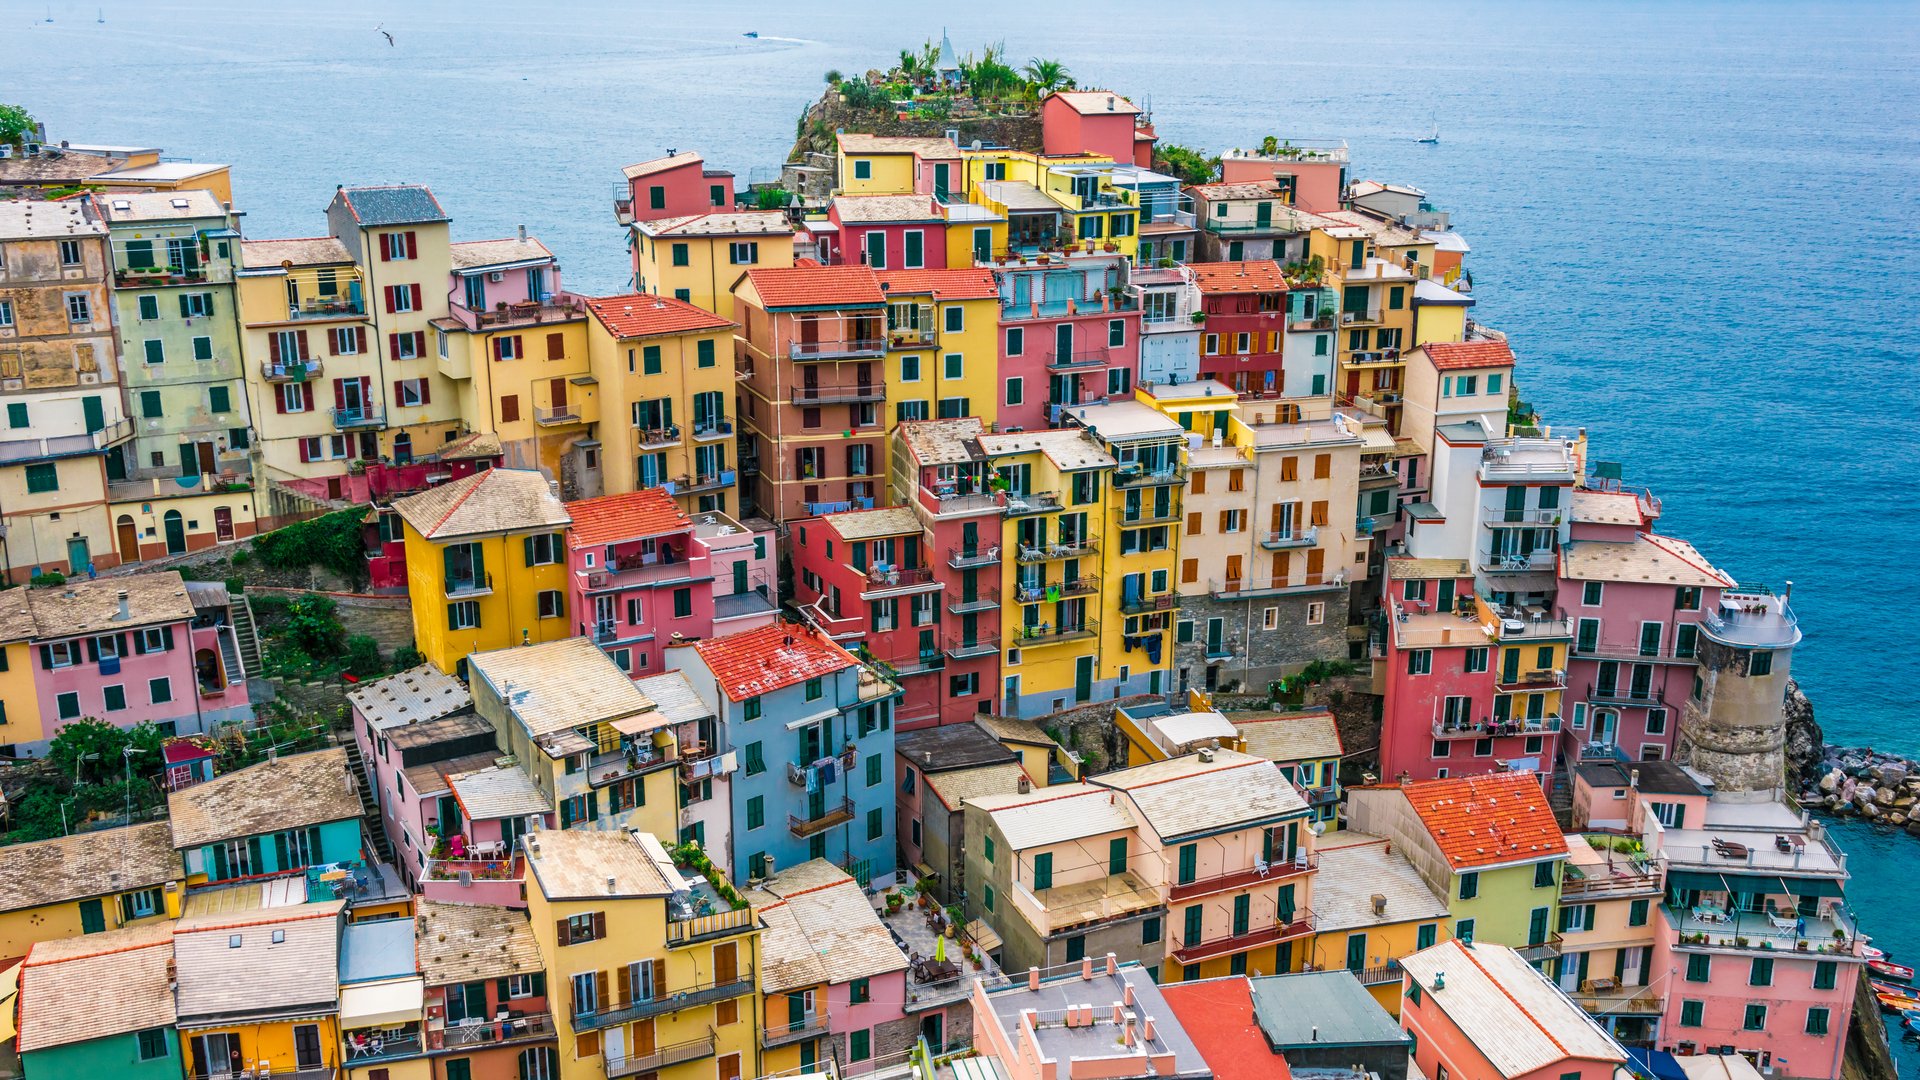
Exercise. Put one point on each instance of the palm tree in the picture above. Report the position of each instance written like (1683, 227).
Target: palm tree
(833, 77)
(909, 63)
(1047, 76)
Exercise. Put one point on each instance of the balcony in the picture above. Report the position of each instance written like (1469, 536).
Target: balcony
(907, 337)
(1830, 932)
(1065, 549)
(985, 598)
(836, 393)
(898, 581)
(1378, 358)
(1541, 951)
(1062, 908)
(1145, 605)
(1134, 474)
(1501, 562)
(1079, 360)
(621, 763)
(838, 813)
(361, 417)
(1600, 650)
(726, 922)
(718, 427)
(699, 482)
(665, 1001)
(1389, 972)
(1642, 696)
(299, 371)
(1606, 883)
(634, 568)
(820, 509)
(661, 1057)
(461, 588)
(1085, 585)
(1246, 588)
(808, 1025)
(1300, 324)
(475, 881)
(1525, 681)
(1244, 878)
(962, 558)
(1133, 516)
(1019, 504)
(478, 1032)
(23, 451)
(554, 415)
(1360, 317)
(1045, 633)
(529, 313)
(1243, 227)
(851, 349)
(186, 273)
(1488, 728)
(961, 647)
(656, 438)
(1298, 538)
(366, 1047)
(1184, 952)
(919, 663)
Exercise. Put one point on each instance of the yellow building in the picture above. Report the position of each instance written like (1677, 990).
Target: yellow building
(87, 883)
(646, 977)
(943, 345)
(1370, 909)
(486, 566)
(666, 368)
(258, 981)
(597, 748)
(19, 699)
(1306, 745)
(891, 165)
(1530, 672)
(697, 258)
(1374, 296)
(1056, 200)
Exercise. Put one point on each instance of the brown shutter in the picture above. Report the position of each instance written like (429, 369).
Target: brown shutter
(279, 398)
(1273, 518)
(1282, 566)
(560, 932)
(1322, 466)
(498, 349)
(413, 250)
(393, 346)
(1289, 468)
(1199, 483)
(1316, 565)
(1189, 571)
(419, 342)
(273, 347)
(413, 294)
(1320, 512)
(623, 981)
(556, 346)
(1226, 521)
(302, 339)
(389, 295)
(599, 926)
(384, 255)
(306, 395)
(1193, 523)
(600, 984)
(509, 408)
(397, 399)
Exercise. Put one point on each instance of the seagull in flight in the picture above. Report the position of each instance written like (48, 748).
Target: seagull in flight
(383, 33)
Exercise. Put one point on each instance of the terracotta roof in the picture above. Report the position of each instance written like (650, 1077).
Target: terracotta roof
(760, 661)
(1095, 101)
(955, 284)
(494, 501)
(285, 793)
(1262, 275)
(93, 607)
(97, 985)
(1487, 820)
(719, 223)
(867, 524)
(457, 943)
(87, 864)
(1217, 1014)
(472, 254)
(633, 315)
(611, 519)
(1449, 355)
(300, 251)
(880, 209)
(816, 286)
(658, 165)
(858, 142)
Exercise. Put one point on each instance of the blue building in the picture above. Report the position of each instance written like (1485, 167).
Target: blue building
(811, 731)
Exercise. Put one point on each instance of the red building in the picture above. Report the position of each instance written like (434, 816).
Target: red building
(672, 186)
(886, 232)
(1069, 335)
(1245, 329)
(1095, 122)
(384, 481)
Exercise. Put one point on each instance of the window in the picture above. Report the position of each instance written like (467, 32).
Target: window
(1016, 340)
(1043, 871)
(553, 604)
(412, 392)
(873, 770)
(160, 691)
(150, 404)
(1543, 877)
(153, 1043)
(464, 615)
(743, 253)
(1692, 1013)
(79, 308)
(17, 415)
(60, 654)
(1016, 391)
(1825, 975)
(815, 688)
(987, 897)
(682, 255)
(1469, 885)
(1756, 1018)
(750, 708)
(507, 347)
(1426, 936)
(1420, 661)
(862, 169)
(1817, 1021)
(756, 759)
(1761, 971)
(1637, 913)
(1699, 968)
(876, 823)
(586, 927)
(116, 697)
(69, 253)
(953, 366)
(1463, 930)
(703, 352)
(756, 812)
(6, 313)
(394, 245)
(859, 1044)
(69, 705)
(1760, 663)
(154, 350)
(1476, 659)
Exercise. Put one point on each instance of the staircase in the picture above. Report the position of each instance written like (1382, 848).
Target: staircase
(247, 636)
(288, 501)
(1560, 799)
(230, 656)
(376, 830)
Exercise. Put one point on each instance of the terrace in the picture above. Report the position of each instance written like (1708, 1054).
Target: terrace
(633, 757)
(1287, 927)
(1298, 538)
(933, 984)
(298, 371)
(1528, 458)
(1709, 926)
(1518, 622)
(358, 417)
(838, 393)
(1753, 617)
(1416, 625)
(477, 1031)
(24, 451)
(1084, 903)
(506, 316)
(1487, 727)
(898, 581)
(644, 562)
(665, 999)
(1046, 633)
(835, 813)
(1051, 592)
(1131, 474)
(662, 1056)
(1258, 874)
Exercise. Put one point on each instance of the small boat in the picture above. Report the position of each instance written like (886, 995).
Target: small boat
(1911, 1018)
(1889, 970)
(103, 15)
(751, 34)
(1897, 1002)
(1889, 988)
(1872, 953)
(1433, 139)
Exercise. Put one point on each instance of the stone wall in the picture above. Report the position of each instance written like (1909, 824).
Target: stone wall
(1259, 656)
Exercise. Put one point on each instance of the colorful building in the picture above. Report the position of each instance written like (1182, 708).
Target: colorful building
(1250, 222)
(60, 380)
(888, 165)
(102, 1005)
(1170, 338)
(486, 565)
(1482, 1011)
(89, 883)
(1311, 176)
(833, 984)
(1607, 933)
(1069, 335)
(673, 186)
(1305, 743)
(654, 971)
(269, 820)
(885, 232)
(814, 730)
(940, 769)
(696, 259)
(229, 1017)
(382, 1002)
(1500, 885)
(942, 345)
(1142, 1038)
(1370, 910)
(1096, 122)
(486, 994)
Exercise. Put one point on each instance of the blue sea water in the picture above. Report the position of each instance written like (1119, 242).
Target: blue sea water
(1699, 221)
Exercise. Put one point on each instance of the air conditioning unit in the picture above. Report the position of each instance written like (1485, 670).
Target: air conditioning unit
(496, 277)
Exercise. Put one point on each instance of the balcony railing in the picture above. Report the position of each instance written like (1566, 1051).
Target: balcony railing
(1031, 502)
(883, 582)
(529, 313)
(1523, 681)
(1245, 877)
(370, 1046)
(836, 393)
(619, 764)
(984, 598)
(298, 371)
(1640, 879)
(1298, 538)
(462, 587)
(1245, 587)
(656, 438)
(836, 350)
(550, 415)
(1624, 695)
(1047, 633)
(1488, 728)
(1133, 475)
(709, 927)
(714, 428)
(1543, 950)
(364, 416)
(661, 1057)
(1079, 360)
(1085, 585)
(1146, 515)
(962, 647)
(1501, 562)
(835, 814)
(689, 485)
(961, 558)
(1360, 317)
(665, 1001)
(17, 451)
(1665, 654)
(810, 1025)
(1074, 549)
(1185, 952)
(481, 1032)
(1143, 605)
(1380, 975)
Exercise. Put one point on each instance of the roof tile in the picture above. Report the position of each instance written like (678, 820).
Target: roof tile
(955, 284)
(1259, 275)
(1450, 355)
(611, 519)
(816, 286)
(760, 661)
(632, 315)
(1487, 820)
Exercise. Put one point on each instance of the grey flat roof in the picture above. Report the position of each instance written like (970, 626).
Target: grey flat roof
(379, 949)
(1061, 1042)
(1323, 1008)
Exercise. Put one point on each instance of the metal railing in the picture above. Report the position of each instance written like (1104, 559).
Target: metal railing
(664, 1001)
(808, 1025)
(1079, 360)
(836, 393)
(1299, 923)
(961, 558)
(834, 350)
(1062, 550)
(469, 586)
(1047, 592)
(1032, 502)
(381, 1046)
(1363, 317)
(1274, 540)
(1135, 475)
(14, 451)
(284, 372)
(556, 414)
(482, 1032)
(984, 598)
(1278, 870)
(712, 428)
(661, 1057)
(962, 647)
(656, 438)
(364, 416)
(898, 577)
(1047, 633)
(838, 813)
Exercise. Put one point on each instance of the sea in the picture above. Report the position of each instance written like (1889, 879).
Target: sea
(1699, 220)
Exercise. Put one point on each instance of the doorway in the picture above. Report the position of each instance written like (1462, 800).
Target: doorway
(127, 536)
(79, 556)
(223, 523)
(176, 527)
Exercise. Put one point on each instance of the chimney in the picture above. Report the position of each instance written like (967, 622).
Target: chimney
(1119, 1010)
(1033, 978)
(1633, 779)
(126, 612)
(1379, 903)
(1314, 1034)
(1113, 964)
(610, 880)
(1146, 1029)
(1023, 785)
(523, 233)
(1129, 1021)
(1128, 997)
(1086, 968)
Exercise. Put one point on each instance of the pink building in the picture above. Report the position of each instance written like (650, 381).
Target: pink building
(385, 543)
(1636, 600)
(485, 990)
(1069, 335)
(1311, 177)
(1096, 122)
(646, 576)
(1479, 1012)
(949, 492)
(138, 649)
(885, 232)
(672, 186)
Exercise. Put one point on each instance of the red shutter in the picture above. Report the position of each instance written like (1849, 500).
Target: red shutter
(339, 393)
(426, 392)
(306, 454)
(413, 251)
(413, 291)
(398, 399)
(560, 936)
(419, 343)
(366, 391)
(273, 347)
(279, 398)
(556, 346)
(303, 346)
(389, 294)
(383, 250)
(393, 346)
(306, 395)
(497, 347)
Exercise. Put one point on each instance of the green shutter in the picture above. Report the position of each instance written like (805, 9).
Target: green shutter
(1117, 855)
(1043, 871)
(1189, 859)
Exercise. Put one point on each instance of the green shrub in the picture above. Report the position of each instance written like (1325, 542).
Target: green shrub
(363, 656)
(312, 625)
(330, 541)
(406, 656)
(240, 557)
(51, 577)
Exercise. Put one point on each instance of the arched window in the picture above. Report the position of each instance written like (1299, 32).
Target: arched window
(402, 449)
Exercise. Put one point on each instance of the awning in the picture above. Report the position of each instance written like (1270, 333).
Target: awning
(1812, 886)
(983, 935)
(1684, 880)
(382, 1004)
(640, 723)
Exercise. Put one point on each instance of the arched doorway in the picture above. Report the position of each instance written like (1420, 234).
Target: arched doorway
(207, 670)
(127, 537)
(403, 449)
(176, 533)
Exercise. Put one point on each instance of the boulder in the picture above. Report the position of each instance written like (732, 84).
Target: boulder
(1896, 818)
(1913, 826)
(1870, 812)
(1831, 781)
(1883, 796)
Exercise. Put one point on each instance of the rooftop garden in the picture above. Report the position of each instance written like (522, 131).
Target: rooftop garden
(925, 84)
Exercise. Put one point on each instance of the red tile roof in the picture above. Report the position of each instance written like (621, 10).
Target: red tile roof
(816, 286)
(957, 284)
(1217, 1014)
(636, 514)
(1448, 355)
(633, 315)
(1487, 820)
(755, 662)
(1262, 275)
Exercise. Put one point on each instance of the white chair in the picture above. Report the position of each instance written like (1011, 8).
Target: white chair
(1261, 867)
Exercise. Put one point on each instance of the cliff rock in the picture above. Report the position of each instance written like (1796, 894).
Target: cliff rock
(1806, 744)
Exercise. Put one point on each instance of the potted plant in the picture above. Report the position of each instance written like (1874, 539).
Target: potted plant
(1199, 317)
(1110, 247)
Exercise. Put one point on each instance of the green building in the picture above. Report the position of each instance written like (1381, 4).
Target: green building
(100, 1005)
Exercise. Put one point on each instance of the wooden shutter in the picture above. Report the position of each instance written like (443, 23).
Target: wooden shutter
(46, 657)
(1282, 566)
(306, 395)
(273, 347)
(167, 633)
(279, 397)
(1322, 466)
(623, 984)
(1316, 565)
(398, 398)
(385, 255)
(393, 345)
(339, 393)
(419, 341)
(556, 346)
(1193, 523)
(302, 342)
(388, 291)
(560, 935)
(306, 454)
(498, 350)
(509, 408)
(1319, 512)
(413, 249)
(1199, 483)
(1273, 518)
(1226, 521)
(1189, 571)
(1289, 468)
(413, 294)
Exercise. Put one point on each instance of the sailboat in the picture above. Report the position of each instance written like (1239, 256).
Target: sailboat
(103, 15)
(49, 13)
(1433, 139)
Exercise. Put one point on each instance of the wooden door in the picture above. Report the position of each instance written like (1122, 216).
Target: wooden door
(557, 389)
(726, 963)
(223, 523)
(128, 536)
(205, 452)
(642, 1038)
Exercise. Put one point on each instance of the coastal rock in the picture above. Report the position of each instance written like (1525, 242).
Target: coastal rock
(1892, 773)
(1830, 782)
(1870, 812)
(1913, 826)
(1805, 742)
(1896, 819)
(1883, 797)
